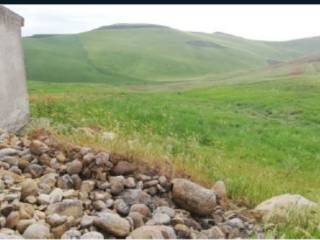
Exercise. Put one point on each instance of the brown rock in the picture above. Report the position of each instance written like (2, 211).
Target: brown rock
(26, 210)
(182, 231)
(12, 219)
(29, 187)
(74, 167)
(114, 224)
(123, 168)
(116, 184)
(24, 223)
(193, 197)
(142, 209)
(153, 232)
(37, 147)
(137, 219)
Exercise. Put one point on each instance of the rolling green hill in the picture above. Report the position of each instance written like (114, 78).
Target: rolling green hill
(144, 53)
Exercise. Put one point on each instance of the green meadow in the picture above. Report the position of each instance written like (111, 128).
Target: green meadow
(261, 138)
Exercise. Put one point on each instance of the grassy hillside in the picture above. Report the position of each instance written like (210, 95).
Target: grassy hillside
(214, 105)
(131, 54)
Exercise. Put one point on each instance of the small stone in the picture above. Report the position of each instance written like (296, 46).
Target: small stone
(76, 181)
(71, 234)
(109, 203)
(86, 221)
(45, 159)
(123, 168)
(7, 152)
(214, 233)
(29, 187)
(87, 158)
(39, 215)
(37, 147)
(56, 219)
(60, 157)
(31, 199)
(68, 207)
(7, 233)
(85, 150)
(74, 167)
(37, 231)
(130, 182)
(116, 184)
(100, 195)
(144, 177)
(12, 219)
(182, 231)
(61, 229)
(26, 210)
(133, 196)
(15, 170)
(23, 163)
(220, 189)
(121, 207)
(113, 224)
(35, 170)
(47, 182)
(236, 223)
(55, 164)
(23, 224)
(163, 181)
(92, 235)
(2, 222)
(161, 219)
(152, 191)
(87, 186)
(12, 161)
(56, 195)
(161, 189)
(142, 209)
(153, 232)
(166, 210)
(137, 219)
(102, 159)
(65, 182)
(151, 183)
(99, 205)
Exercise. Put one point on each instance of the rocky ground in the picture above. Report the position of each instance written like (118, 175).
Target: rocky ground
(49, 190)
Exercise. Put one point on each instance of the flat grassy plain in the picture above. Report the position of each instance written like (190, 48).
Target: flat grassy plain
(262, 138)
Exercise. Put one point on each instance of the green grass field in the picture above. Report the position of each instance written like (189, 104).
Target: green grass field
(214, 108)
(262, 138)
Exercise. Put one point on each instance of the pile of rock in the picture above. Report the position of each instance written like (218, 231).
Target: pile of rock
(48, 190)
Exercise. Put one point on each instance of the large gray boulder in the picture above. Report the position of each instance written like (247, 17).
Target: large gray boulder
(282, 205)
(193, 197)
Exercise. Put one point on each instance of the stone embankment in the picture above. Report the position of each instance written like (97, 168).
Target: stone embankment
(49, 190)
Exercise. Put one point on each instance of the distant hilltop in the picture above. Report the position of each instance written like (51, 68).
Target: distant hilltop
(129, 26)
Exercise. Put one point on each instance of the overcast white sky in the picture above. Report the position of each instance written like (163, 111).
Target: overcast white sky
(265, 22)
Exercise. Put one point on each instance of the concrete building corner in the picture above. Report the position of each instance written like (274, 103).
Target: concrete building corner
(14, 105)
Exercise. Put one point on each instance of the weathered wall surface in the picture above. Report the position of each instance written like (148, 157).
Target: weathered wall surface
(14, 107)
